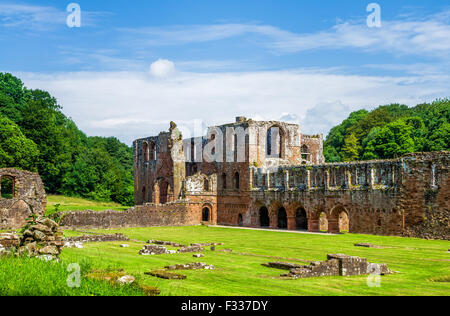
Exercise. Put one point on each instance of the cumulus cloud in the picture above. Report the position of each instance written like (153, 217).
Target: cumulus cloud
(131, 105)
(162, 68)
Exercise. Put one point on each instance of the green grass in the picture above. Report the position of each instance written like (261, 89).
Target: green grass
(418, 262)
(22, 276)
(78, 204)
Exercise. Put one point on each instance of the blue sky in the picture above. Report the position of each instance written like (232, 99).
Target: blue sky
(133, 66)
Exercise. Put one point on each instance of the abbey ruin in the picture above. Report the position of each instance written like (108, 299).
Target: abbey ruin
(268, 174)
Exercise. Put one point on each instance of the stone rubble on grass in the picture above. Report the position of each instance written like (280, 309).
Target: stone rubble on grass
(367, 245)
(150, 250)
(198, 255)
(336, 265)
(191, 249)
(73, 244)
(165, 243)
(41, 237)
(126, 279)
(282, 265)
(190, 266)
(124, 246)
(98, 238)
(208, 244)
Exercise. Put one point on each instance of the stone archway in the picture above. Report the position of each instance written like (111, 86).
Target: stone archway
(206, 214)
(240, 220)
(323, 222)
(301, 219)
(264, 219)
(339, 220)
(163, 192)
(282, 218)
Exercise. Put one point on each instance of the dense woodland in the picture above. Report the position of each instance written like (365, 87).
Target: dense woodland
(35, 135)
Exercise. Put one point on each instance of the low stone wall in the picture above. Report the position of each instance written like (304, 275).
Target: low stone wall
(149, 215)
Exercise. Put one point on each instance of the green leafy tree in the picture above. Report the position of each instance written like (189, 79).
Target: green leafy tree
(15, 149)
(350, 151)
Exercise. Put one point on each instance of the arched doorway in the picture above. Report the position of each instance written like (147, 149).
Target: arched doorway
(282, 218)
(301, 220)
(264, 220)
(339, 220)
(163, 191)
(344, 223)
(240, 220)
(7, 190)
(206, 214)
(323, 222)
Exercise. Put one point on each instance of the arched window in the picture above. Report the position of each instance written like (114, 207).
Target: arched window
(274, 142)
(213, 150)
(206, 185)
(224, 181)
(236, 181)
(146, 152)
(306, 155)
(152, 151)
(7, 190)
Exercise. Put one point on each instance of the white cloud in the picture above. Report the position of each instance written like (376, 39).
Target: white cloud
(162, 68)
(429, 36)
(131, 105)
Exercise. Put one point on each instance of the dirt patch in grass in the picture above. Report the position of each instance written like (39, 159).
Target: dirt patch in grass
(442, 278)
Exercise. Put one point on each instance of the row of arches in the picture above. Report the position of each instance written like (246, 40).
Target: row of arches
(334, 222)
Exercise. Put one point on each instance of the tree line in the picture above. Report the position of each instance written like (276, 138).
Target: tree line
(390, 131)
(35, 135)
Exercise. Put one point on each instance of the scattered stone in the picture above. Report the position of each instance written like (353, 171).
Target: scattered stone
(367, 245)
(171, 252)
(213, 248)
(198, 255)
(41, 237)
(165, 243)
(226, 250)
(124, 246)
(338, 265)
(163, 274)
(282, 265)
(207, 244)
(126, 279)
(190, 266)
(150, 290)
(73, 244)
(148, 250)
(45, 258)
(98, 238)
(191, 249)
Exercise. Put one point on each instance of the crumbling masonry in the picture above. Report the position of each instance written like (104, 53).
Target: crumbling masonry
(268, 174)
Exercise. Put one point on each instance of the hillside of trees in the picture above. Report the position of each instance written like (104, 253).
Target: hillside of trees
(390, 131)
(35, 135)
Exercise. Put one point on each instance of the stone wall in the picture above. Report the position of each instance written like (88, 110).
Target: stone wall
(28, 198)
(148, 215)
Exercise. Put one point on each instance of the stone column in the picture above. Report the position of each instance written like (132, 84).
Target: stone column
(313, 225)
(333, 225)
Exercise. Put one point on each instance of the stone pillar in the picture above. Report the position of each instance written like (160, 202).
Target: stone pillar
(313, 225)
(333, 225)
(308, 179)
(267, 184)
(371, 177)
(286, 180)
(291, 224)
(348, 179)
(327, 179)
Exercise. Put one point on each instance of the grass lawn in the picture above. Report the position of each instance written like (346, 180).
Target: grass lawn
(423, 266)
(78, 204)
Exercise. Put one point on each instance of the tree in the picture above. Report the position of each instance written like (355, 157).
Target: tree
(15, 149)
(350, 151)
